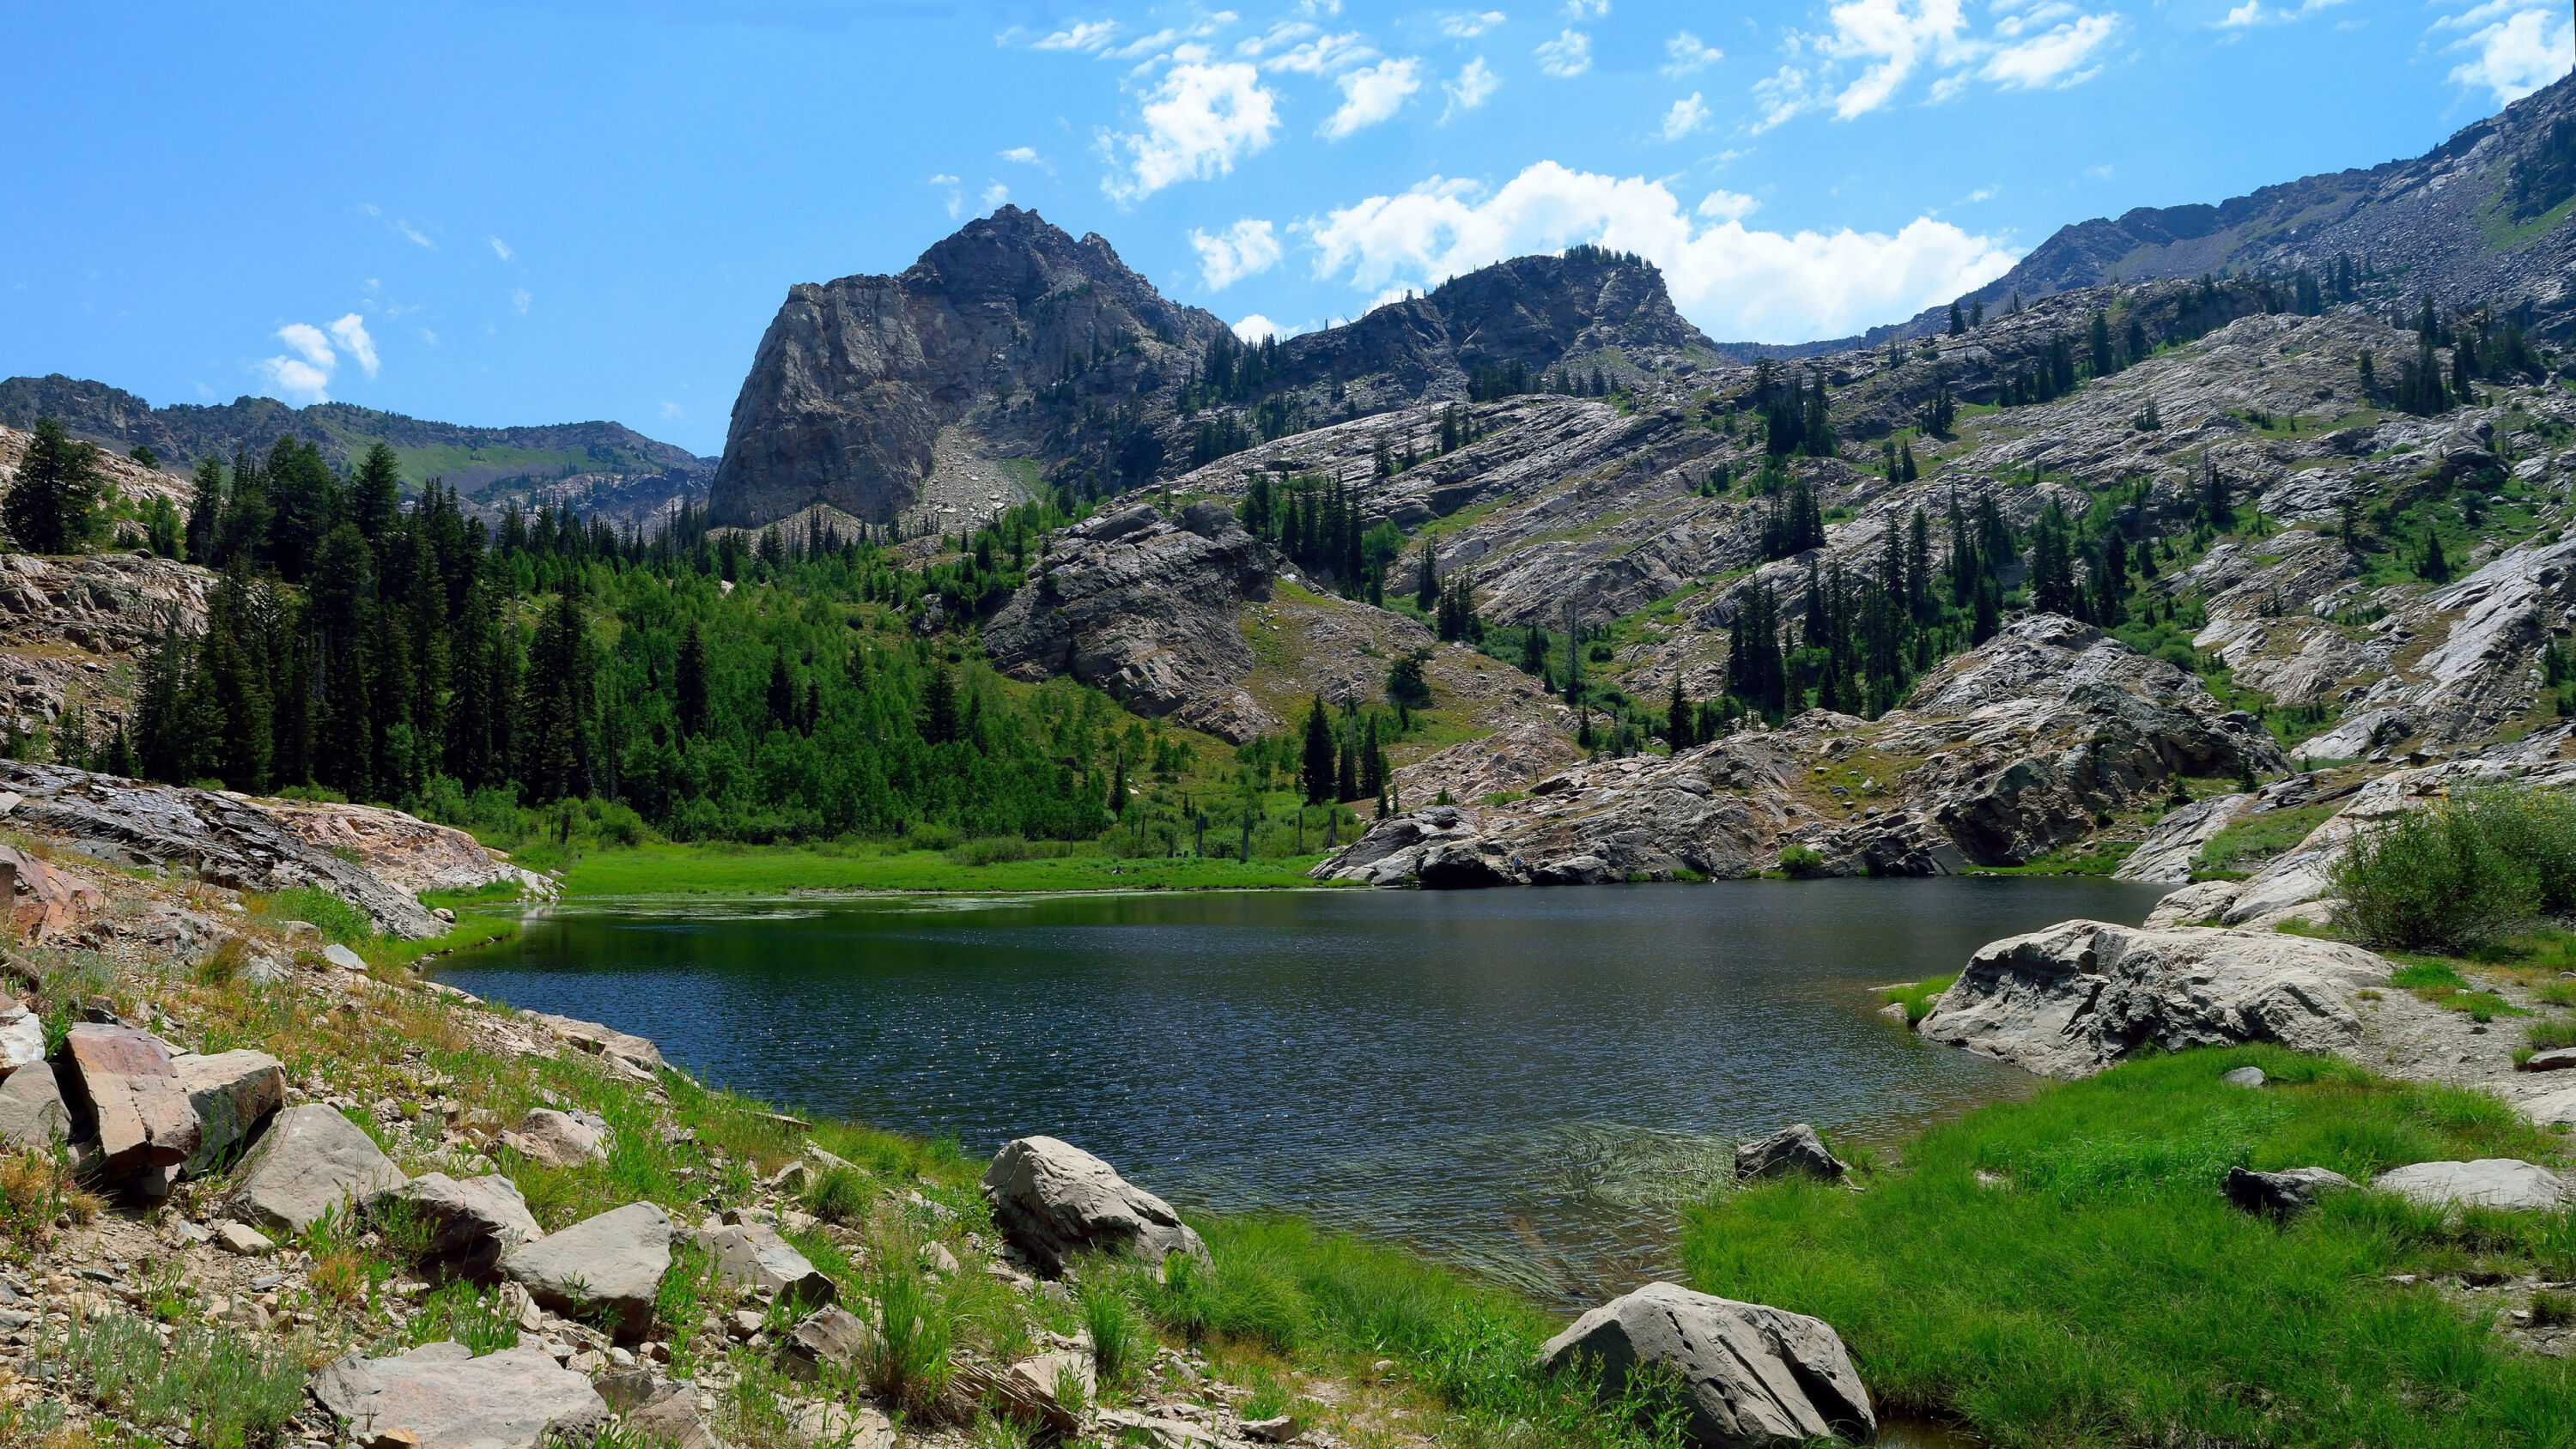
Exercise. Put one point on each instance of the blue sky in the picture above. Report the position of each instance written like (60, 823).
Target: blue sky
(553, 212)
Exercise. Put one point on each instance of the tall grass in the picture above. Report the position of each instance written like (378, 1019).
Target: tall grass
(224, 1390)
(908, 1358)
(2064, 1272)
(2460, 873)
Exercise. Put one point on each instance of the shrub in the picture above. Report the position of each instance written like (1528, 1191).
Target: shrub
(1803, 862)
(2443, 879)
(991, 850)
(1118, 1342)
(1919, 996)
(837, 1194)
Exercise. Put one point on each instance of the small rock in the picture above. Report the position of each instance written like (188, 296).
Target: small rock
(472, 1224)
(1755, 1375)
(1280, 1430)
(2244, 1077)
(447, 1399)
(606, 1268)
(312, 1160)
(752, 1255)
(32, 1112)
(559, 1139)
(235, 1237)
(2557, 1059)
(937, 1258)
(344, 958)
(831, 1336)
(1053, 1201)
(2497, 1182)
(1791, 1149)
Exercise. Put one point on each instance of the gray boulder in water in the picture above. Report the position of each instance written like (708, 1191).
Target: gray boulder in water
(2075, 998)
(1791, 1149)
(1752, 1374)
(1055, 1201)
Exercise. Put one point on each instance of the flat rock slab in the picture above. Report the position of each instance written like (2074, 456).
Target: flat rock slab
(604, 1270)
(1756, 1375)
(752, 1255)
(311, 1161)
(2496, 1182)
(443, 1398)
(559, 1139)
(2550, 1109)
(2077, 997)
(470, 1226)
(2557, 1059)
(1054, 1201)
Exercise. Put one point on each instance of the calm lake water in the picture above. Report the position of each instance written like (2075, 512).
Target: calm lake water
(1524, 1081)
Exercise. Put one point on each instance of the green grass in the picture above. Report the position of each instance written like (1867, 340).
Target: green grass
(1918, 996)
(2240, 849)
(2103, 1292)
(225, 1390)
(2088, 857)
(769, 870)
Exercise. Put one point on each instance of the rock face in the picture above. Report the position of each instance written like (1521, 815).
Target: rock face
(1755, 1375)
(1055, 1201)
(1145, 610)
(2071, 1000)
(471, 1225)
(401, 850)
(2497, 1182)
(440, 1397)
(131, 1098)
(2006, 752)
(2284, 1194)
(230, 1094)
(854, 379)
(311, 1161)
(604, 1269)
(227, 839)
(44, 900)
(1795, 1149)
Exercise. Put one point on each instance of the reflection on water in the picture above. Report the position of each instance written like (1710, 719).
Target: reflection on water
(1523, 1081)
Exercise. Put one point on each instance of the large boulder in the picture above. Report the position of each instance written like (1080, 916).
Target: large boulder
(1794, 1149)
(831, 1337)
(753, 1255)
(129, 1094)
(2284, 1194)
(440, 1397)
(1754, 1375)
(310, 1162)
(44, 900)
(2071, 1000)
(230, 1094)
(2495, 1182)
(1054, 1201)
(604, 1270)
(559, 1139)
(22, 1036)
(465, 1228)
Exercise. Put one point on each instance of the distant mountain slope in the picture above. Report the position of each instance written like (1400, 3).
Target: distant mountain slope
(2480, 218)
(892, 397)
(599, 466)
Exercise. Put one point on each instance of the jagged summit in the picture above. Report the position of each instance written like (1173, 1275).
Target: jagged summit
(895, 397)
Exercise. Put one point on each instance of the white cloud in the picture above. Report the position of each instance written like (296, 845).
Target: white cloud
(1684, 54)
(1570, 54)
(1027, 156)
(351, 331)
(429, 337)
(1585, 9)
(1086, 35)
(1733, 282)
(519, 300)
(1687, 115)
(1197, 122)
(1256, 327)
(1246, 249)
(956, 198)
(2514, 47)
(1727, 205)
(500, 248)
(1372, 94)
(2098, 173)
(2048, 43)
(1322, 54)
(1468, 24)
(995, 194)
(670, 411)
(308, 342)
(1476, 84)
(411, 233)
(943, 179)
(2064, 55)
(290, 380)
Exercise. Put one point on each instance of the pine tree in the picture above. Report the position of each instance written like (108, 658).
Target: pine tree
(2099, 340)
(205, 510)
(1958, 324)
(1346, 774)
(1317, 776)
(339, 599)
(1677, 718)
(689, 684)
(782, 695)
(52, 508)
(940, 720)
(556, 709)
(375, 494)
(1118, 786)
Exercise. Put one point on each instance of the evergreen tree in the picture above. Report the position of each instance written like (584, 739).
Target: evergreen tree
(375, 494)
(2099, 341)
(1678, 717)
(52, 508)
(1958, 324)
(1426, 585)
(689, 682)
(941, 723)
(339, 600)
(556, 704)
(1346, 773)
(1317, 776)
(782, 697)
(205, 509)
